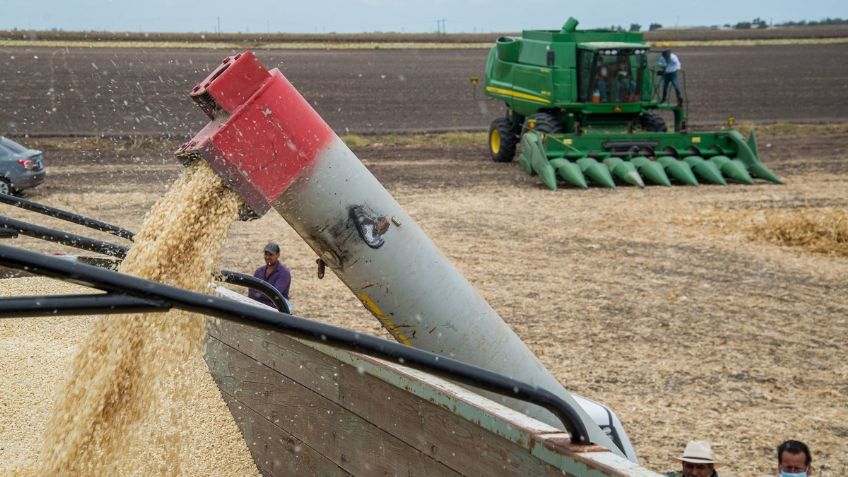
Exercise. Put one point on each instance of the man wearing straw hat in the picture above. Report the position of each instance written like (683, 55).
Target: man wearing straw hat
(697, 461)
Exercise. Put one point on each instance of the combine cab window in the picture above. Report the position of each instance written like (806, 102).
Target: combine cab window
(611, 76)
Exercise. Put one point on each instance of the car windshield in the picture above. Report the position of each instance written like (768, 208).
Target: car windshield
(611, 76)
(12, 145)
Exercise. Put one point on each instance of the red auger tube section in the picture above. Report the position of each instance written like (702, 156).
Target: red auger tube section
(261, 128)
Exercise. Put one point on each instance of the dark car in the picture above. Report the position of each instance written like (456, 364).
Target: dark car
(20, 168)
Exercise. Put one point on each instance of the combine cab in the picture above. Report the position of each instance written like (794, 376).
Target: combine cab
(584, 107)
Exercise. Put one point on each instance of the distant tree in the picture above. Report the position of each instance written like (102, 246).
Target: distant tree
(635, 27)
(654, 27)
(826, 21)
(759, 23)
(743, 26)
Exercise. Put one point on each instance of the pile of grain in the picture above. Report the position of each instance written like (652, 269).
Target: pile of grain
(114, 416)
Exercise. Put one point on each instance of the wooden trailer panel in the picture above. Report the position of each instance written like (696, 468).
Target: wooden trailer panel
(310, 409)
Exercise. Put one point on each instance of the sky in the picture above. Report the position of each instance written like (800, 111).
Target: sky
(410, 16)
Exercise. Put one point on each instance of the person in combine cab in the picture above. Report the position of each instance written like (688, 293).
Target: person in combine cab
(794, 459)
(273, 272)
(600, 94)
(670, 64)
(625, 88)
(697, 461)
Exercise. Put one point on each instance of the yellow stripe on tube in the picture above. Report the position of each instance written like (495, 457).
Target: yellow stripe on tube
(376, 311)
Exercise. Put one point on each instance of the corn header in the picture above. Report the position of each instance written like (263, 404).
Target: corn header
(583, 107)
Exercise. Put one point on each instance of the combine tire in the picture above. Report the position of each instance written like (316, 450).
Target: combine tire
(652, 123)
(502, 140)
(546, 123)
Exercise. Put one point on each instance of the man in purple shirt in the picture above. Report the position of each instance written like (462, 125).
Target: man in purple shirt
(273, 272)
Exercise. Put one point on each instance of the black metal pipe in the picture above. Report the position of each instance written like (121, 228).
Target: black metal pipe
(72, 240)
(249, 281)
(64, 238)
(63, 305)
(291, 325)
(65, 215)
(226, 276)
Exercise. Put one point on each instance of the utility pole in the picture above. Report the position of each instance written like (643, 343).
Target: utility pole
(218, 29)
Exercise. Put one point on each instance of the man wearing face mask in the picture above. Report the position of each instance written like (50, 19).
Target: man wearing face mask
(794, 459)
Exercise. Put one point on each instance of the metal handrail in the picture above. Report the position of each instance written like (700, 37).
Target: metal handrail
(65, 215)
(249, 281)
(101, 303)
(120, 251)
(64, 238)
(158, 296)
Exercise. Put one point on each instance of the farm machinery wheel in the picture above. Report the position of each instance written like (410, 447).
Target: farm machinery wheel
(652, 123)
(546, 123)
(502, 140)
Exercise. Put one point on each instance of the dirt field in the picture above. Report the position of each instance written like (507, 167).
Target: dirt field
(666, 34)
(119, 91)
(654, 301)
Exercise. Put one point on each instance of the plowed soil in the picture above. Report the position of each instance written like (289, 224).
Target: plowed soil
(121, 91)
(658, 302)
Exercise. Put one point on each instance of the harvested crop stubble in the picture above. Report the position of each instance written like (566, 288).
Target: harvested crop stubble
(817, 230)
(114, 416)
(653, 301)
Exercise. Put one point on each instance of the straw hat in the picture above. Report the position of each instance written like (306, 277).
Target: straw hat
(698, 452)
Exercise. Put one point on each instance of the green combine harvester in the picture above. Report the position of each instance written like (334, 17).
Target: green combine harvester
(584, 106)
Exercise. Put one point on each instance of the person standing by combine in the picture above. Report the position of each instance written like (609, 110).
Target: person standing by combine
(273, 272)
(671, 64)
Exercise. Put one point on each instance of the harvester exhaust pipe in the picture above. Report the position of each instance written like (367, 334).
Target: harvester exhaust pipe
(276, 152)
(570, 25)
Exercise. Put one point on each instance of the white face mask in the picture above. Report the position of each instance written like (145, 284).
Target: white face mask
(798, 474)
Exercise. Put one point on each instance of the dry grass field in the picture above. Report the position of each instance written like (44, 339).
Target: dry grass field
(692, 312)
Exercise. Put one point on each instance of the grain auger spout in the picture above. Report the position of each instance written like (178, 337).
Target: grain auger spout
(583, 105)
(277, 153)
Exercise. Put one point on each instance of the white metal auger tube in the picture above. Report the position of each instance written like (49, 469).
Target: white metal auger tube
(276, 152)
